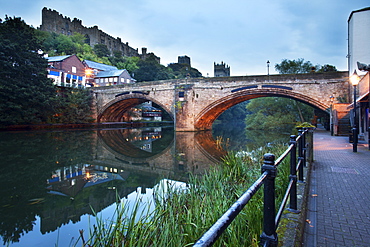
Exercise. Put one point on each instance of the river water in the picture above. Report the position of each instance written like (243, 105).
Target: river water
(51, 180)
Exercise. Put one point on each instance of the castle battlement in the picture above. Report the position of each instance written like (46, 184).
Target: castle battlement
(54, 22)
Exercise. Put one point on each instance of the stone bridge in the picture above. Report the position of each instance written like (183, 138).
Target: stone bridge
(196, 103)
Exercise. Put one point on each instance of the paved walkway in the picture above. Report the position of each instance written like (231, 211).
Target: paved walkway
(339, 198)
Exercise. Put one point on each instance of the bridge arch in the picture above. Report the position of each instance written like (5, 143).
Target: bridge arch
(209, 114)
(113, 111)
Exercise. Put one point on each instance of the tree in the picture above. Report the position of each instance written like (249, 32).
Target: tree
(130, 64)
(327, 68)
(101, 50)
(276, 112)
(150, 70)
(26, 94)
(181, 70)
(74, 106)
(235, 114)
(298, 66)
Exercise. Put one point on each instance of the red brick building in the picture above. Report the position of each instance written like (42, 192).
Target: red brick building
(66, 71)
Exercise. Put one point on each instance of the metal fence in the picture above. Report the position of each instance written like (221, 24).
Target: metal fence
(304, 143)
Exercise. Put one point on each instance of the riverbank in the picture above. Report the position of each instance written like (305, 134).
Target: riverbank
(84, 126)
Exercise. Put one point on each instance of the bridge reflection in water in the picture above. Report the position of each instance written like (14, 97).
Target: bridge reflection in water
(126, 161)
(158, 150)
(51, 180)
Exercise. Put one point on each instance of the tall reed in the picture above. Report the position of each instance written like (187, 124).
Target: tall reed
(181, 218)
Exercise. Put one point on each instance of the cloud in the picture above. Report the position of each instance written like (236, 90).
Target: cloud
(243, 34)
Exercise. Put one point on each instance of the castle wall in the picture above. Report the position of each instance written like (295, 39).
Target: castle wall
(52, 21)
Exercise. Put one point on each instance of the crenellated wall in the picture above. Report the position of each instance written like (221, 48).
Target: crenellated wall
(53, 21)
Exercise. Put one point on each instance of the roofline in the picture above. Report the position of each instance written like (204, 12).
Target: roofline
(65, 57)
(356, 11)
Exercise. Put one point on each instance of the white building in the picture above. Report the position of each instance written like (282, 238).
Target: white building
(358, 39)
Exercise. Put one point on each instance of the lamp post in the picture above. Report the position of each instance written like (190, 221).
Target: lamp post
(268, 67)
(354, 80)
(331, 115)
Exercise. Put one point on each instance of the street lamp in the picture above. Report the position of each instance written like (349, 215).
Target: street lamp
(331, 115)
(355, 79)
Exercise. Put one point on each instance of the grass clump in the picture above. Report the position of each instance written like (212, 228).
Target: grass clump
(181, 218)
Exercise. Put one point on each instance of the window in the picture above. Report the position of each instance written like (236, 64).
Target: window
(74, 69)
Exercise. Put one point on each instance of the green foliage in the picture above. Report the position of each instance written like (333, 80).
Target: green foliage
(276, 112)
(26, 95)
(101, 50)
(74, 106)
(305, 125)
(327, 68)
(185, 215)
(150, 70)
(237, 113)
(298, 66)
(130, 64)
(182, 70)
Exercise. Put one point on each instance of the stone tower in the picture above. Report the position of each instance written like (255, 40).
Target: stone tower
(184, 60)
(221, 70)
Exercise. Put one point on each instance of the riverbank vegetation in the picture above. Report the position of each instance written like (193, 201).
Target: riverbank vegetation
(27, 96)
(183, 217)
(277, 113)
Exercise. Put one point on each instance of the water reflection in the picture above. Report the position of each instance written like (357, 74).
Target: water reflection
(50, 181)
(237, 138)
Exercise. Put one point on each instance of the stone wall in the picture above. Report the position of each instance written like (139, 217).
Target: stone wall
(53, 21)
(199, 101)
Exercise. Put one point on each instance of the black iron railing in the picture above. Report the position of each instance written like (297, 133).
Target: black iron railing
(271, 218)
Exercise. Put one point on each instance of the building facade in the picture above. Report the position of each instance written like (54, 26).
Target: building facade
(66, 71)
(358, 39)
(112, 77)
(359, 53)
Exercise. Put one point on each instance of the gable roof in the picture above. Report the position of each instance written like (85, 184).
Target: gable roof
(57, 58)
(110, 73)
(99, 66)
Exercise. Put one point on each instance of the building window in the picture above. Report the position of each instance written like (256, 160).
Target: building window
(74, 69)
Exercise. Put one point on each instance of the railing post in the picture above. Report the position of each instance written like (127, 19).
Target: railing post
(269, 236)
(293, 175)
(300, 155)
(304, 147)
(310, 146)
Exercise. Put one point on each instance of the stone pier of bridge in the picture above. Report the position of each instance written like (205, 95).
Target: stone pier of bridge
(195, 103)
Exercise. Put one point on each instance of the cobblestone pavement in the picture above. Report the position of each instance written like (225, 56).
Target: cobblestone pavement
(339, 198)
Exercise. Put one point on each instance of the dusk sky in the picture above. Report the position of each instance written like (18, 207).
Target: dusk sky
(242, 34)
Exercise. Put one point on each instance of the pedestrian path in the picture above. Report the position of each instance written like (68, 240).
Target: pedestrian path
(339, 196)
